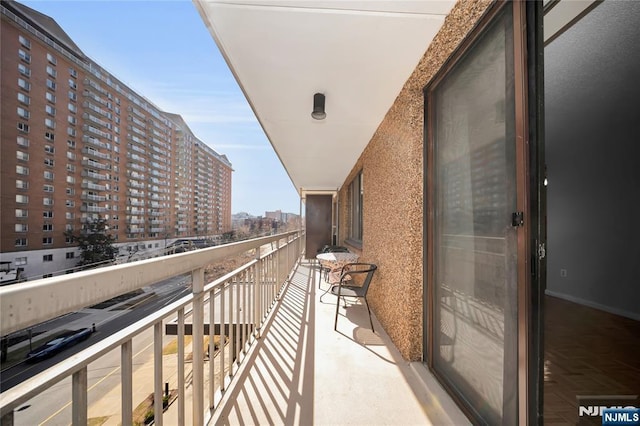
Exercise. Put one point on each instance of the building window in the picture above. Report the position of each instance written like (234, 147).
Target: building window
(21, 213)
(71, 143)
(24, 56)
(24, 98)
(24, 70)
(47, 275)
(48, 188)
(69, 215)
(22, 184)
(51, 97)
(72, 120)
(73, 73)
(22, 170)
(47, 257)
(48, 174)
(20, 261)
(70, 255)
(22, 199)
(73, 96)
(51, 84)
(50, 110)
(71, 191)
(71, 131)
(68, 240)
(23, 113)
(51, 59)
(68, 227)
(356, 192)
(21, 227)
(71, 179)
(24, 41)
(51, 71)
(49, 136)
(50, 123)
(23, 127)
(21, 242)
(70, 203)
(49, 149)
(24, 84)
(22, 141)
(47, 201)
(72, 108)
(72, 84)
(21, 155)
(49, 162)
(47, 214)
(47, 227)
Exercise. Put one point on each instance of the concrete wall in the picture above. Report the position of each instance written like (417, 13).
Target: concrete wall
(392, 165)
(593, 148)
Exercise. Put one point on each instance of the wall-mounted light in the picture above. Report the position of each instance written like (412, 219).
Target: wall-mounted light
(318, 107)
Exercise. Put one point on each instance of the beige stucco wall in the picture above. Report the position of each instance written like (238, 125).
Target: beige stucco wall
(392, 164)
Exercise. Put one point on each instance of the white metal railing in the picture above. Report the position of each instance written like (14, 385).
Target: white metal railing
(238, 303)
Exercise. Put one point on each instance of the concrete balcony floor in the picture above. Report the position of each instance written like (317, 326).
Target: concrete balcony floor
(302, 372)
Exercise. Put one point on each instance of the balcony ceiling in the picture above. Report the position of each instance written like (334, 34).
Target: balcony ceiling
(358, 53)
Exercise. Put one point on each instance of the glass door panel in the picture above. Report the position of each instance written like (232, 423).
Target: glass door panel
(475, 268)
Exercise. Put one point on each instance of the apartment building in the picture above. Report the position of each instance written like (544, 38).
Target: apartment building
(78, 144)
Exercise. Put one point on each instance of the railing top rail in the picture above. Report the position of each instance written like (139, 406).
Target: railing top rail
(26, 304)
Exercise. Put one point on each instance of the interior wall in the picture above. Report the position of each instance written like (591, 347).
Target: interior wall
(592, 93)
(393, 193)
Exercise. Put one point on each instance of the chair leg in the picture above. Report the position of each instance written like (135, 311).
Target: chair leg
(369, 310)
(335, 323)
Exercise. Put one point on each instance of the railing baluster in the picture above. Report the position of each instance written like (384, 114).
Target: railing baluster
(197, 279)
(157, 373)
(79, 397)
(223, 334)
(181, 381)
(126, 377)
(212, 349)
(232, 335)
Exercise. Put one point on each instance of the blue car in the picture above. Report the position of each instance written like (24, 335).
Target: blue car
(58, 344)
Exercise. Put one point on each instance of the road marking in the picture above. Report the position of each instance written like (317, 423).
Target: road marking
(93, 386)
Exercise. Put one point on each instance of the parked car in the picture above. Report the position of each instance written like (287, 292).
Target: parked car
(58, 344)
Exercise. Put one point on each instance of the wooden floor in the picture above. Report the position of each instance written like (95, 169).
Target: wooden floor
(587, 352)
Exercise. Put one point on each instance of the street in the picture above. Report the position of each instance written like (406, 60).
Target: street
(53, 406)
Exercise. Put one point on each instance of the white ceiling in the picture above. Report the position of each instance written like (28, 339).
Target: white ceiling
(358, 53)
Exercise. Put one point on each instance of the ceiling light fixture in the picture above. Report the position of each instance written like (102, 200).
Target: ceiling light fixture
(318, 107)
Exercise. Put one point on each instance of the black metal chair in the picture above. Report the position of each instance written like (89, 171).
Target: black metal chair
(351, 272)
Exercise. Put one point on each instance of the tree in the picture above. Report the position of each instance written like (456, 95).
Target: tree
(96, 246)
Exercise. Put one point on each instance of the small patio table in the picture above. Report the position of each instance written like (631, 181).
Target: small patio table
(334, 262)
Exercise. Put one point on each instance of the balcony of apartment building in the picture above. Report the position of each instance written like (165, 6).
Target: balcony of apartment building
(363, 157)
(94, 175)
(94, 186)
(93, 208)
(95, 153)
(95, 164)
(93, 197)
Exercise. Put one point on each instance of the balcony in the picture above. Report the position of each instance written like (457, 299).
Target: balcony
(283, 362)
(93, 197)
(93, 209)
(95, 186)
(92, 152)
(96, 165)
(94, 175)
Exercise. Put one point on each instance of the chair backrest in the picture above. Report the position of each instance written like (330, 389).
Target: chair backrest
(362, 268)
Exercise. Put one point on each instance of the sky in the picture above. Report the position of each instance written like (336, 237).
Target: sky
(162, 50)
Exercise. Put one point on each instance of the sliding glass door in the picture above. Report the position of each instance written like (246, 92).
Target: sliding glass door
(476, 231)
